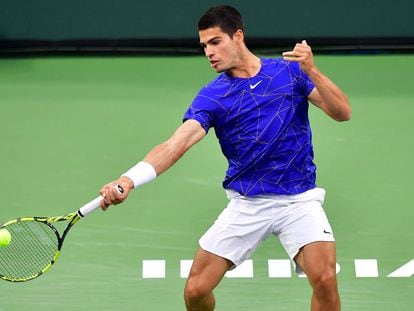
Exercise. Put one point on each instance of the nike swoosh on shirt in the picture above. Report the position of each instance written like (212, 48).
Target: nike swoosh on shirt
(252, 87)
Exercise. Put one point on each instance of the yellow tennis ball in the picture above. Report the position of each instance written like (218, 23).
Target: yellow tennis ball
(5, 237)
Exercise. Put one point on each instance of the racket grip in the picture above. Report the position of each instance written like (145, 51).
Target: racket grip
(90, 207)
(95, 203)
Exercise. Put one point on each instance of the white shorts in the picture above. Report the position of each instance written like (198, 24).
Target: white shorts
(296, 220)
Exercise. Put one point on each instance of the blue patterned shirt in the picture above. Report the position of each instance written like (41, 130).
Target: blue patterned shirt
(263, 128)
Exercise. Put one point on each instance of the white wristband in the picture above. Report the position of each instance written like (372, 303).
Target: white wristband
(141, 173)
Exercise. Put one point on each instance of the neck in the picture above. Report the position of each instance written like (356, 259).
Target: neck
(248, 65)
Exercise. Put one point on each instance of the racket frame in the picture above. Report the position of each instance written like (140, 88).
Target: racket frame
(48, 221)
(72, 218)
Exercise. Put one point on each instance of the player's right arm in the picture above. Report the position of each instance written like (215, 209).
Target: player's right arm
(159, 159)
(163, 156)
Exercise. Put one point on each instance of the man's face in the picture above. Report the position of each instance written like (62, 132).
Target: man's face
(221, 50)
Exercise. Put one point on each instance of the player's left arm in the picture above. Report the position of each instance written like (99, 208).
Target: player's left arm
(326, 95)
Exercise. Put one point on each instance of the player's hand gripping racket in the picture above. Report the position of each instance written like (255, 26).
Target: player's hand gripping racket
(36, 243)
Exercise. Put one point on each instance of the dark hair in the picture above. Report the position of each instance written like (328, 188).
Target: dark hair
(223, 16)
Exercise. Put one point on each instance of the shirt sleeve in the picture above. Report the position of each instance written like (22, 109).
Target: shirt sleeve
(305, 84)
(308, 85)
(201, 110)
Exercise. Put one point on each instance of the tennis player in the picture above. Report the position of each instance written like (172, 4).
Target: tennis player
(258, 108)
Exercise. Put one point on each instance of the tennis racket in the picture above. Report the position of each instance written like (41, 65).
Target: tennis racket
(36, 243)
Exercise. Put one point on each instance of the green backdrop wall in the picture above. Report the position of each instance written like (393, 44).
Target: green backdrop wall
(54, 20)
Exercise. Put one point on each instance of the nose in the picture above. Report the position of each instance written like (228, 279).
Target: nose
(208, 51)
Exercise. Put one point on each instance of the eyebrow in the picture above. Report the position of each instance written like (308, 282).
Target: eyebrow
(212, 39)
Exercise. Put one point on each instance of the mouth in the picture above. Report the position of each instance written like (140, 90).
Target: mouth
(213, 63)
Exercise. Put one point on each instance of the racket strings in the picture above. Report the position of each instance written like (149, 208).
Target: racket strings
(32, 249)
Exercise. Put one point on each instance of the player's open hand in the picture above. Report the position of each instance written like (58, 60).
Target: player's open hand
(301, 53)
(115, 192)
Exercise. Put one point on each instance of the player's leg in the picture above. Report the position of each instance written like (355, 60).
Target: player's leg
(308, 238)
(233, 237)
(206, 272)
(318, 261)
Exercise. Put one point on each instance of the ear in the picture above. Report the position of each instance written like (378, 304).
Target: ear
(238, 36)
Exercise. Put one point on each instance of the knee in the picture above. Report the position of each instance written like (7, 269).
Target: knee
(325, 281)
(194, 291)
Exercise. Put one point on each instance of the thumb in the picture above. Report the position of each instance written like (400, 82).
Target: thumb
(304, 42)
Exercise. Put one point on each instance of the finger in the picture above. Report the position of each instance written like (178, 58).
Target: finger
(104, 205)
(107, 198)
(110, 197)
(302, 49)
(294, 54)
(103, 190)
(297, 51)
(303, 44)
(295, 59)
(306, 49)
(289, 53)
(116, 196)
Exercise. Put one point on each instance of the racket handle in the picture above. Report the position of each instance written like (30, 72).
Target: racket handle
(95, 203)
(90, 207)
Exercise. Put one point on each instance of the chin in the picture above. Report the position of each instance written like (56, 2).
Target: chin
(221, 69)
